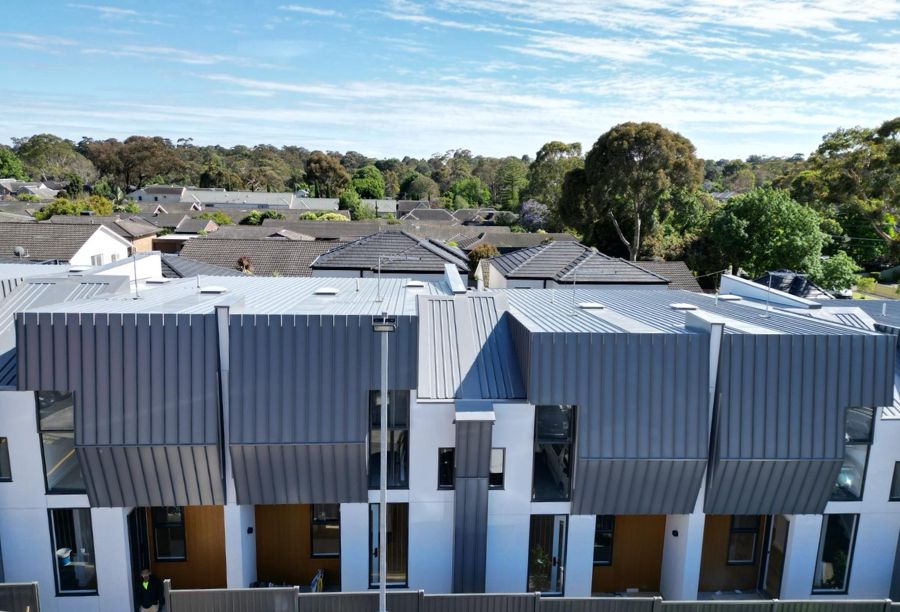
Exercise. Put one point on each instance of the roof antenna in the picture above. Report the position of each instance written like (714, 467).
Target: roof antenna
(768, 292)
(574, 287)
(884, 309)
(137, 294)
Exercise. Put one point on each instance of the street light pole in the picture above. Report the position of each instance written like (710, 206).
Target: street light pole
(383, 325)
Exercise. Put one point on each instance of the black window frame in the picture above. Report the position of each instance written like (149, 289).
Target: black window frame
(839, 494)
(51, 524)
(452, 452)
(568, 441)
(850, 554)
(609, 530)
(502, 485)
(5, 462)
(388, 585)
(167, 524)
(314, 520)
(397, 397)
(895, 484)
(42, 431)
(737, 530)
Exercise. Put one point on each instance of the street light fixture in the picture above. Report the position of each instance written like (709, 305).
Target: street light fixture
(384, 325)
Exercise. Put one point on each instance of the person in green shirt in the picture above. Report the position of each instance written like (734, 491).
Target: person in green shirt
(149, 592)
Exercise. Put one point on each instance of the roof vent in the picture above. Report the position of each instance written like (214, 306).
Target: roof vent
(213, 290)
(415, 284)
(20, 251)
(730, 297)
(682, 306)
(591, 306)
(78, 269)
(326, 291)
(158, 281)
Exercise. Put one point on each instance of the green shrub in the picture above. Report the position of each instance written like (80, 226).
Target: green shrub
(865, 283)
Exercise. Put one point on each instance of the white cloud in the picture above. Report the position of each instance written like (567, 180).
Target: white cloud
(309, 10)
(105, 10)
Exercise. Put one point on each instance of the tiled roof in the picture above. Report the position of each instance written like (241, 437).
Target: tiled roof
(257, 232)
(267, 257)
(178, 266)
(168, 220)
(163, 190)
(44, 240)
(195, 226)
(680, 277)
(508, 241)
(441, 215)
(401, 252)
(127, 227)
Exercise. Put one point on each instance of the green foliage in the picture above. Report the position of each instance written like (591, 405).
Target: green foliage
(629, 175)
(62, 206)
(325, 216)
(865, 284)
(46, 157)
(504, 217)
(547, 172)
(126, 207)
(468, 193)
(482, 251)
(763, 230)
(218, 216)
(416, 186)
(368, 182)
(27, 197)
(75, 187)
(10, 165)
(325, 175)
(510, 180)
(350, 200)
(102, 187)
(215, 174)
(255, 217)
(837, 273)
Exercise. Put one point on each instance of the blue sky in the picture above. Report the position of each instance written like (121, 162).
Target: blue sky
(499, 77)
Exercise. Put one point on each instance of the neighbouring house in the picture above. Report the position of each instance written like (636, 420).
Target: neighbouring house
(77, 244)
(12, 187)
(391, 254)
(506, 241)
(177, 266)
(431, 215)
(632, 443)
(794, 283)
(260, 257)
(135, 229)
(679, 275)
(566, 263)
(159, 194)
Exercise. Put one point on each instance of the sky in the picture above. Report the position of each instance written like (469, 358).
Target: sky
(403, 77)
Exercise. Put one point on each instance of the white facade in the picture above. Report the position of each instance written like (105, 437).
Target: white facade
(103, 247)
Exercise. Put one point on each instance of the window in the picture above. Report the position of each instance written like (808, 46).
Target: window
(603, 539)
(895, 483)
(96, 260)
(742, 537)
(498, 466)
(446, 467)
(168, 533)
(397, 441)
(397, 542)
(835, 553)
(73, 551)
(857, 438)
(553, 436)
(114, 257)
(56, 426)
(325, 527)
(5, 471)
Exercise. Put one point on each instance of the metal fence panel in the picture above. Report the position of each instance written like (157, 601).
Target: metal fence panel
(597, 604)
(845, 605)
(19, 597)
(405, 601)
(233, 600)
(718, 606)
(480, 603)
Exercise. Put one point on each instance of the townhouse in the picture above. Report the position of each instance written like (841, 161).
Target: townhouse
(225, 431)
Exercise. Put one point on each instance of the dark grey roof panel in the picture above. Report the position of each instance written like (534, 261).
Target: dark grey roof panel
(289, 380)
(655, 486)
(176, 266)
(470, 514)
(473, 448)
(175, 475)
(300, 473)
(495, 363)
(679, 275)
(400, 252)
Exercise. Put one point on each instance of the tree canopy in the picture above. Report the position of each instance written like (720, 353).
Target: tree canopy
(10, 165)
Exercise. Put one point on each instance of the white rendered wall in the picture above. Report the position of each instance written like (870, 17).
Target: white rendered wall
(580, 555)
(509, 510)
(354, 547)
(240, 546)
(104, 243)
(800, 555)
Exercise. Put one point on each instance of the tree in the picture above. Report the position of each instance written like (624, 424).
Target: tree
(47, 157)
(215, 174)
(482, 251)
(368, 182)
(10, 165)
(534, 215)
(143, 157)
(350, 200)
(511, 179)
(765, 229)
(838, 272)
(467, 193)
(61, 206)
(255, 217)
(217, 216)
(546, 174)
(416, 186)
(74, 185)
(326, 175)
(628, 175)
(505, 217)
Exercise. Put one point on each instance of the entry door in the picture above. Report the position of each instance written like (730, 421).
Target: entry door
(775, 560)
(137, 541)
(547, 554)
(397, 543)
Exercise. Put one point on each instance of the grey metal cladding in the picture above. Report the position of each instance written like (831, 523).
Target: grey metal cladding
(783, 398)
(466, 349)
(305, 379)
(480, 603)
(597, 604)
(182, 475)
(473, 448)
(403, 601)
(654, 486)
(299, 473)
(233, 600)
(18, 597)
(470, 535)
(146, 380)
(719, 606)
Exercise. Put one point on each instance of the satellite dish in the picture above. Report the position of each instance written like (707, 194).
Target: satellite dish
(20, 251)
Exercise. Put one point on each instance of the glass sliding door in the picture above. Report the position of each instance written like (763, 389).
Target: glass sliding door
(397, 545)
(547, 553)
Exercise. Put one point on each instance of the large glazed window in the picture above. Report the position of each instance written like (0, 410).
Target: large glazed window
(168, 533)
(835, 553)
(397, 440)
(857, 439)
(5, 470)
(895, 483)
(603, 539)
(397, 543)
(73, 551)
(554, 432)
(742, 536)
(56, 426)
(325, 530)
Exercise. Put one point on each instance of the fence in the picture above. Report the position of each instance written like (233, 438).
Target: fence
(291, 600)
(19, 597)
